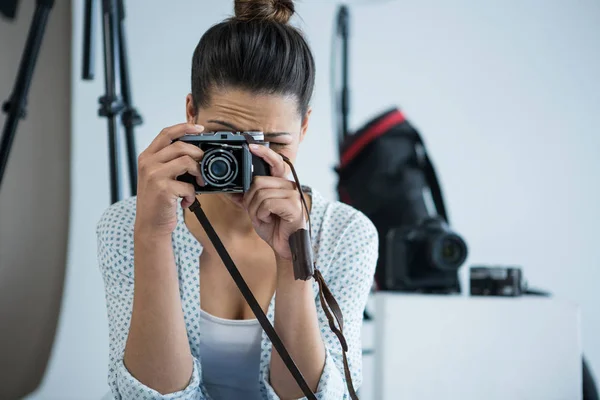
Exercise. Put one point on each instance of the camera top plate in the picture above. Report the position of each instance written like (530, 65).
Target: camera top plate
(225, 136)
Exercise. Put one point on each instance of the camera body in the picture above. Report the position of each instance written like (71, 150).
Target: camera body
(424, 257)
(227, 165)
(496, 281)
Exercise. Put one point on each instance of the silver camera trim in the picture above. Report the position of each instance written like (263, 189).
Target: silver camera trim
(209, 158)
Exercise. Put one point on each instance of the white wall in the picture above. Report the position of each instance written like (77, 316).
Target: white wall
(505, 93)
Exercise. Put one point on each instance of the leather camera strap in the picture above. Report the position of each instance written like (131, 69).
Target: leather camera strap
(251, 300)
(328, 302)
(306, 269)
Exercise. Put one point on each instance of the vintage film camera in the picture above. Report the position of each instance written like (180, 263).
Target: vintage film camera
(227, 165)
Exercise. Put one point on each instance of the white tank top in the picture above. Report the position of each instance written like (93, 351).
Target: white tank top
(230, 355)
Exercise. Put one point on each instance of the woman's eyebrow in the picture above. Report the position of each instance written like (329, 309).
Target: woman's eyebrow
(225, 124)
(275, 134)
(235, 129)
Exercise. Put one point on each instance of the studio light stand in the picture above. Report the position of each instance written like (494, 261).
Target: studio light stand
(342, 106)
(117, 101)
(15, 106)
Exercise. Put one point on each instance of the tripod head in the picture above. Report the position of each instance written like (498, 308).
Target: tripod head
(8, 8)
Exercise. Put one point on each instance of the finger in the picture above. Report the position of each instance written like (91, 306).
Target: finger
(176, 150)
(180, 166)
(167, 135)
(267, 182)
(286, 209)
(183, 190)
(272, 158)
(263, 195)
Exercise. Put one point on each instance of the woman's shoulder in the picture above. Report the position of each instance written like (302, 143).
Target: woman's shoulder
(346, 242)
(333, 214)
(337, 220)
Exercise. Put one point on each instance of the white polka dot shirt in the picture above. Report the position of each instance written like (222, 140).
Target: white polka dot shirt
(345, 251)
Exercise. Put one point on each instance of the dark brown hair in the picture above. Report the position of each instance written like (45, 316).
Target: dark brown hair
(256, 50)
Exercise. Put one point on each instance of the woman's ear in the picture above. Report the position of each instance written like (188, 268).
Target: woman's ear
(190, 109)
(304, 127)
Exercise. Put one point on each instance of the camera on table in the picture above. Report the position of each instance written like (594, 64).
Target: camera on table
(227, 165)
(496, 281)
(425, 257)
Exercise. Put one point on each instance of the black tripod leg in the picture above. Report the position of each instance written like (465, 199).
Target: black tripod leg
(111, 104)
(590, 392)
(130, 116)
(343, 28)
(15, 106)
(87, 70)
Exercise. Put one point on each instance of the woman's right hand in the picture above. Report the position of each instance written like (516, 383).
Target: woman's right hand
(158, 189)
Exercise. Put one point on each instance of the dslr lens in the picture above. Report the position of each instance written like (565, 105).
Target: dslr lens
(448, 251)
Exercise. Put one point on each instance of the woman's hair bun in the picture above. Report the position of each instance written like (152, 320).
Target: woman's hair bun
(267, 10)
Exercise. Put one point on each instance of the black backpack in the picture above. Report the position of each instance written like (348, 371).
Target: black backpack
(380, 164)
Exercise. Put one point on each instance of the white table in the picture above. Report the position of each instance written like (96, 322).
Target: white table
(473, 348)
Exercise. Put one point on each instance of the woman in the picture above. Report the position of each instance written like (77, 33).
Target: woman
(179, 327)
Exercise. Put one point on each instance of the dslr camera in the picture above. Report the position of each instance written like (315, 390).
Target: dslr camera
(227, 165)
(424, 257)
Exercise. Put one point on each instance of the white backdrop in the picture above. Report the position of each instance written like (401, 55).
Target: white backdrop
(506, 94)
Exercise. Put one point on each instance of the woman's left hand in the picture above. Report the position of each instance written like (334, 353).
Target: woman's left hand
(274, 204)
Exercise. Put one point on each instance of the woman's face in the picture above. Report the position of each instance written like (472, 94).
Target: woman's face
(239, 110)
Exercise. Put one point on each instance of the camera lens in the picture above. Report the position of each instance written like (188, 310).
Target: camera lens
(449, 251)
(219, 167)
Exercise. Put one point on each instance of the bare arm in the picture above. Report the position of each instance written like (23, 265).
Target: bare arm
(157, 352)
(296, 323)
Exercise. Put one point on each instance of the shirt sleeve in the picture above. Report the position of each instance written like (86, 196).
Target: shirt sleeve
(117, 271)
(354, 252)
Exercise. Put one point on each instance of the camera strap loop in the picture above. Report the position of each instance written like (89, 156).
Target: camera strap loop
(328, 302)
(305, 271)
